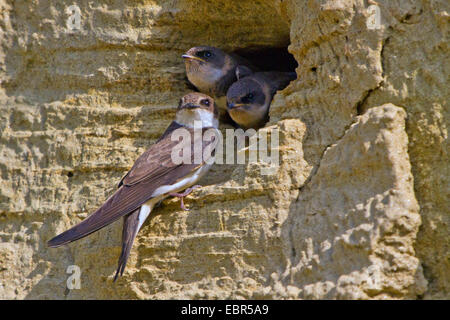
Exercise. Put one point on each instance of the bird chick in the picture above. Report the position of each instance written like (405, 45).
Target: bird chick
(249, 98)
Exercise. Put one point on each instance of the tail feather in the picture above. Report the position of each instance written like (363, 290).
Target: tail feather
(110, 211)
(129, 232)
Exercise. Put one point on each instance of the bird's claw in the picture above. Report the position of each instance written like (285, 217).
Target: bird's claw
(184, 194)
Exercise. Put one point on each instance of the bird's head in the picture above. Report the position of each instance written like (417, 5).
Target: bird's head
(247, 103)
(197, 106)
(204, 57)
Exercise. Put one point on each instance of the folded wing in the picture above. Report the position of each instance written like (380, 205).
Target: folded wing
(154, 168)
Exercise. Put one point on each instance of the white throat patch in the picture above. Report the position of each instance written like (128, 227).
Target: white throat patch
(187, 117)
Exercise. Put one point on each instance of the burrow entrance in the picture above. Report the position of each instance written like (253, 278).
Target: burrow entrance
(270, 58)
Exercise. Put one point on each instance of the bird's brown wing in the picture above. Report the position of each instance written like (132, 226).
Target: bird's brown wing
(239, 60)
(278, 80)
(142, 158)
(154, 168)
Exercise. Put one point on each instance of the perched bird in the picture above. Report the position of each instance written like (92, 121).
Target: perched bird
(212, 71)
(154, 176)
(249, 98)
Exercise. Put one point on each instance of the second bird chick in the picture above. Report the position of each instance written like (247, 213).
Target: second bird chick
(248, 99)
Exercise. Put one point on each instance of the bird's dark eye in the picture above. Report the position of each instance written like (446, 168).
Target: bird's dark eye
(248, 98)
(205, 102)
(204, 54)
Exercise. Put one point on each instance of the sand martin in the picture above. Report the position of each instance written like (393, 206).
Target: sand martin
(212, 71)
(153, 177)
(249, 98)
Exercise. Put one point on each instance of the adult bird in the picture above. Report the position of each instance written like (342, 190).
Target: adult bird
(155, 175)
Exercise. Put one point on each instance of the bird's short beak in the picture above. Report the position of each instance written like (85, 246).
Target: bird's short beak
(234, 105)
(188, 56)
(189, 106)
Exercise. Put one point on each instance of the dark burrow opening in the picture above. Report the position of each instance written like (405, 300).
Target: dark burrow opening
(269, 58)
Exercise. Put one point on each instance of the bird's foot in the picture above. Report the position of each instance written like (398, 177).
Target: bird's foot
(184, 194)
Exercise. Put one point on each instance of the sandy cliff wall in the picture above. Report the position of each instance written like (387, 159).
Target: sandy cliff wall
(357, 209)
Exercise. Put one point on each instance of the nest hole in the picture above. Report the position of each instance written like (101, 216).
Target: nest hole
(270, 58)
